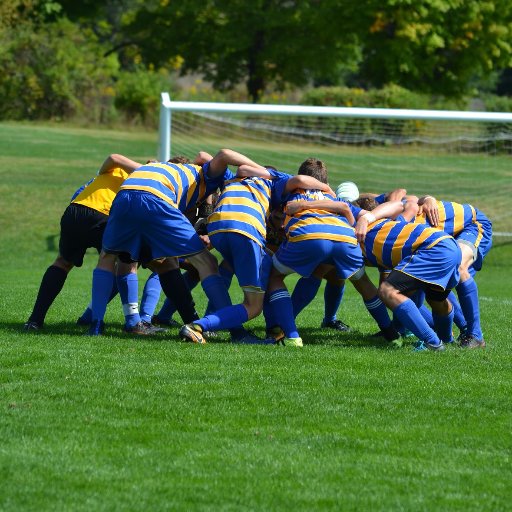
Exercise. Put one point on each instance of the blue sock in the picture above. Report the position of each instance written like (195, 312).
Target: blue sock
(443, 326)
(150, 297)
(411, 318)
(128, 286)
(333, 296)
(468, 299)
(427, 315)
(419, 299)
(379, 312)
(102, 283)
(225, 318)
(458, 318)
(227, 277)
(86, 316)
(270, 321)
(304, 292)
(216, 291)
(282, 309)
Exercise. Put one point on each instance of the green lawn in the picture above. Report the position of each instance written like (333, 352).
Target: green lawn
(116, 423)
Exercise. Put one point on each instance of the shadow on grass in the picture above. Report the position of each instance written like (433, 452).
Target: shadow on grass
(351, 339)
(310, 335)
(112, 330)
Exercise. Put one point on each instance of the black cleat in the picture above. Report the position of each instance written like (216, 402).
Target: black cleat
(337, 325)
(31, 326)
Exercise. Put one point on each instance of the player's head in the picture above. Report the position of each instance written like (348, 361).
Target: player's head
(315, 168)
(366, 203)
(347, 191)
(179, 159)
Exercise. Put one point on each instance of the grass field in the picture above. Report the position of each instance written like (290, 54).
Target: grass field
(116, 423)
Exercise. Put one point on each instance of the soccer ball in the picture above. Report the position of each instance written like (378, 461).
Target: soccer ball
(347, 191)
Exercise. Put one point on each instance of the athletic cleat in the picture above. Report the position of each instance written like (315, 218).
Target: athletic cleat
(142, 329)
(421, 346)
(388, 333)
(149, 325)
(469, 341)
(193, 333)
(96, 328)
(31, 326)
(156, 320)
(276, 333)
(250, 338)
(337, 325)
(291, 342)
(86, 318)
(83, 321)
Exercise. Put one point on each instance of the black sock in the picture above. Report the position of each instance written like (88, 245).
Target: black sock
(176, 289)
(51, 285)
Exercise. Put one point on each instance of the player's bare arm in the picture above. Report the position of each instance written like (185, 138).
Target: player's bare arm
(385, 210)
(226, 157)
(115, 160)
(307, 183)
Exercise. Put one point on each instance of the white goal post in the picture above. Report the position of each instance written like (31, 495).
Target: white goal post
(225, 113)
(167, 106)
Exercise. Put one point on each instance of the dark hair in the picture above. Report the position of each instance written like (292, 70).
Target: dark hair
(366, 203)
(315, 168)
(179, 159)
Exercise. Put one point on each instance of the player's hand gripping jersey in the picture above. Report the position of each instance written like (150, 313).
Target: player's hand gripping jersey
(463, 222)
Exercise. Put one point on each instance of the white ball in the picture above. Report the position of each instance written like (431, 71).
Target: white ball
(347, 191)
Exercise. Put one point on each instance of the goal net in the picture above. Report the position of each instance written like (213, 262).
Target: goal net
(456, 156)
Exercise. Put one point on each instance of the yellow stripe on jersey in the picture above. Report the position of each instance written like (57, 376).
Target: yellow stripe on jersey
(100, 193)
(236, 216)
(325, 236)
(380, 239)
(152, 191)
(458, 217)
(240, 201)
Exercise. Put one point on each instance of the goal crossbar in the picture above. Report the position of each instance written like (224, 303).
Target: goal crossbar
(167, 106)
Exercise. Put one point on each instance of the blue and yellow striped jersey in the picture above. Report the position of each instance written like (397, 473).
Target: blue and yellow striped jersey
(245, 204)
(181, 185)
(317, 224)
(388, 242)
(99, 193)
(454, 218)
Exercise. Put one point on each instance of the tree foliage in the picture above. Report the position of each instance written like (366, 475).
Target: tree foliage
(232, 41)
(436, 46)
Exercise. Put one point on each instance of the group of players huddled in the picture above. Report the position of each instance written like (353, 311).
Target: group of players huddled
(266, 224)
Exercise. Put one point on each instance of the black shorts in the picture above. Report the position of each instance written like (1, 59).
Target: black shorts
(406, 283)
(81, 227)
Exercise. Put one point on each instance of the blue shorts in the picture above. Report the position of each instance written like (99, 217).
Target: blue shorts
(140, 220)
(305, 255)
(438, 265)
(247, 258)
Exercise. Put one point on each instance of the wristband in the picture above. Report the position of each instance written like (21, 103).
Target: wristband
(370, 217)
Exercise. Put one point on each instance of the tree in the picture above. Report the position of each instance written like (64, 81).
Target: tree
(232, 41)
(435, 46)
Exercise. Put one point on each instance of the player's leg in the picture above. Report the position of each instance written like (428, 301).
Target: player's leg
(333, 296)
(391, 293)
(467, 292)
(51, 285)
(373, 304)
(251, 266)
